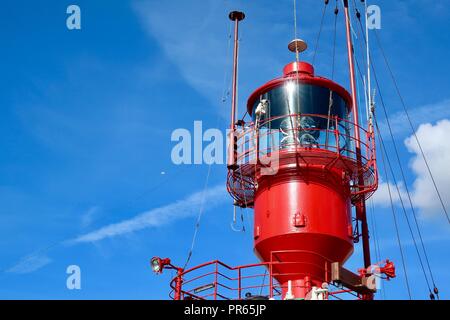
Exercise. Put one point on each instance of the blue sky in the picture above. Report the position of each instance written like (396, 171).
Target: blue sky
(87, 115)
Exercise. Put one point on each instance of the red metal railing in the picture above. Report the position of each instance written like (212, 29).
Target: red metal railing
(331, 146)
(217, 281)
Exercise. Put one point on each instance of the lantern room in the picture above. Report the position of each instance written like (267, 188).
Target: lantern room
(301, 106)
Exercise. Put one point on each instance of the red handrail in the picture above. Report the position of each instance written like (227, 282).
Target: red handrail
(213, 275)
(242, 181)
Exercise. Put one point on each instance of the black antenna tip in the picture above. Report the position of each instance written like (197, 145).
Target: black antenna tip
(236, 15)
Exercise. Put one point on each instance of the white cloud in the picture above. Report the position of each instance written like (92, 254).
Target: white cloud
(196, 42)
(431, 112)
(181, 209)
(391, 242)
(383, 199)
(88, 217)
(435, 141)
(198, 57)
(185, 208)
(30, 264)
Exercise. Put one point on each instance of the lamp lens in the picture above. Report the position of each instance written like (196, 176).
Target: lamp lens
(156, 265)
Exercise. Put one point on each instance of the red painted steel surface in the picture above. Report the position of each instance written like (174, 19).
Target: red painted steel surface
(307, 212)
(303, 212)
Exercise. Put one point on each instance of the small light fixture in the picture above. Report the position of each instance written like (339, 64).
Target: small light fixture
(156, 264)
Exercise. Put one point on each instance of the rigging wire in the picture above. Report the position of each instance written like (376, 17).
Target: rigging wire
(398, 189)
(376, 240)
(369, 78)
(435, 289)
(395, 181)
(130, 204)
(320, 30)
(297, 54)
(363, 78)
(263, 282)
(366, 60)
(199, 217)
(371, 212)
(399, 241)
(33, 255)
(369, 115)
(330, 100)
(226, 93)
(405, 108)
(336, 12)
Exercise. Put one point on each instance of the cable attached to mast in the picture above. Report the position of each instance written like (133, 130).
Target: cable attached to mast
(320, 31)
(405, 108)
(224, 98)
(336, 12)
(297, 49)
(394, 216)
(435, 289)
(398, 190)
(372, 68)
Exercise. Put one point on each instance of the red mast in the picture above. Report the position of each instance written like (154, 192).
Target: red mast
(235, 16)
(361, 205)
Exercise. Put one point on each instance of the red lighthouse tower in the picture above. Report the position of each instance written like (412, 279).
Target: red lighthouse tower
(306, 166)
(302, 196)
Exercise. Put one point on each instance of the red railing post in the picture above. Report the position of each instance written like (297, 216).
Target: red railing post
(336, 132)
(239, 284)
(178, 284)
(216, 276)
(270, 280)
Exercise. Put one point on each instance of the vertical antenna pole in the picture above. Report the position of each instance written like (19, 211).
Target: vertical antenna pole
(351, 63)
(297, 53)
(235, 16)
(361, 205)
(369, 84)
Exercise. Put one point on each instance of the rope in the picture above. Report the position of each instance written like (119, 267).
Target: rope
(371, 213)
(320, 30)
(394, 179)
(435, 289)
(369, 79)
(411, 125)
(199, 217)
(129, 205)
(330, 101)
(375, 239)
(297, 55)
(403, 176)
(225, 95)
(263, 283)
(383, 156)
(336, 12)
